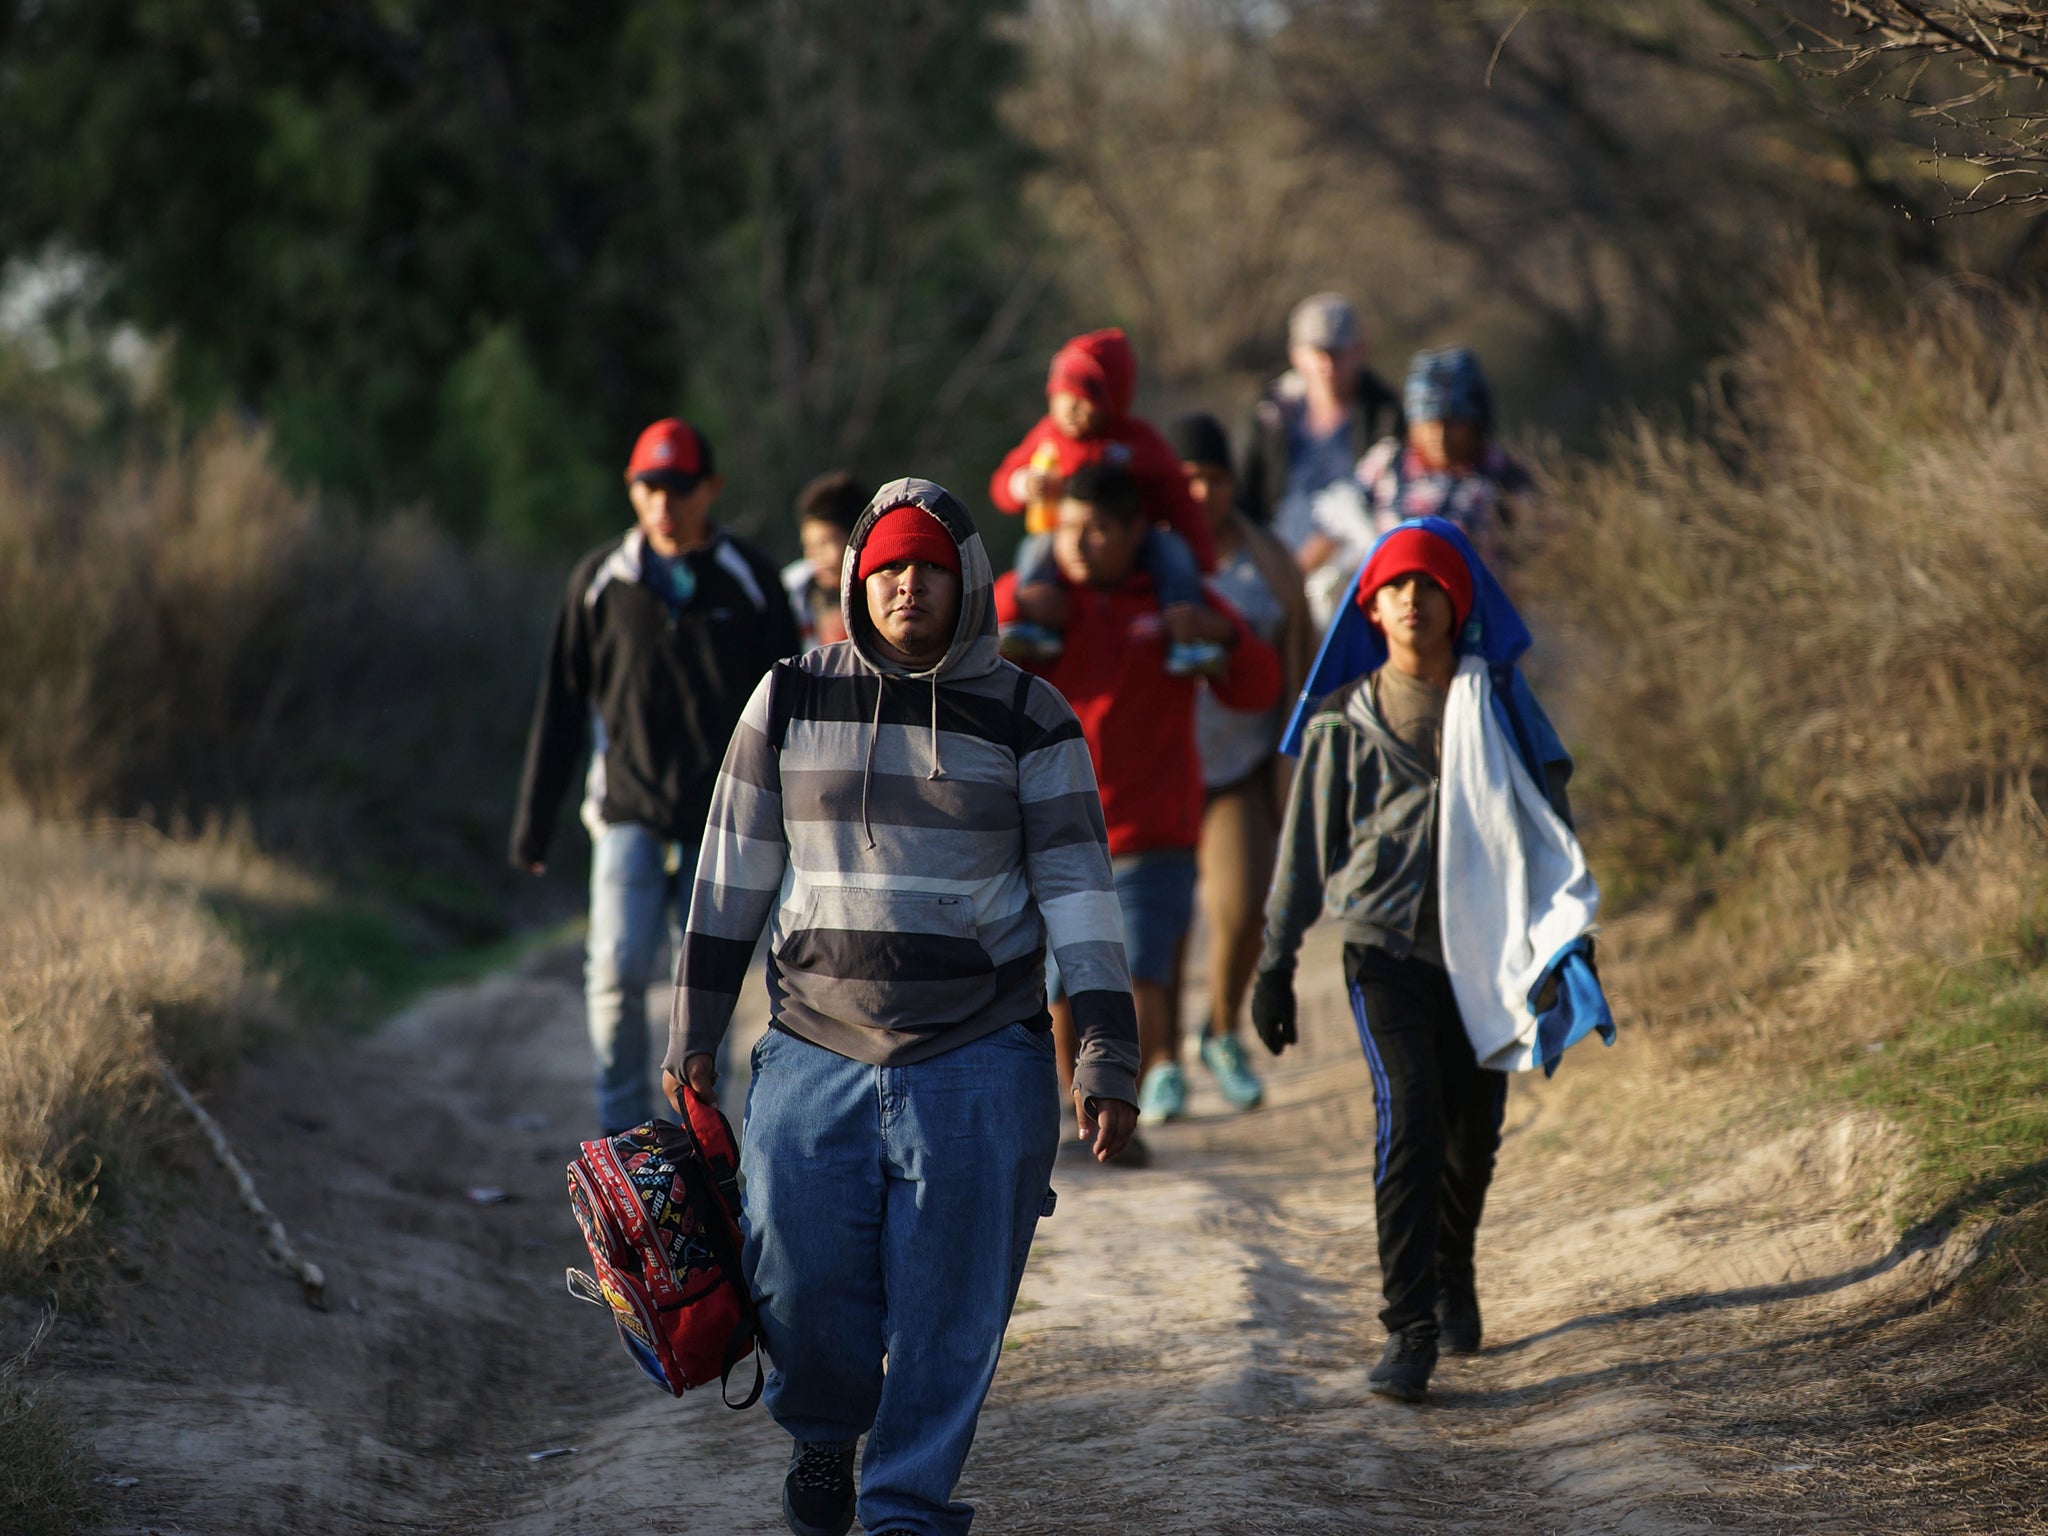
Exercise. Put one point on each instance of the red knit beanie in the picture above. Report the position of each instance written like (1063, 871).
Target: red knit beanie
(907, 533)
(1408, 550)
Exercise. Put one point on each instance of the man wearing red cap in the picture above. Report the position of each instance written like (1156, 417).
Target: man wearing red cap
(1360, 844)
(661, 635)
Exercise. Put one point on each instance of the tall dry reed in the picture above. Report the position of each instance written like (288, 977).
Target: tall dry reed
(1819, 616)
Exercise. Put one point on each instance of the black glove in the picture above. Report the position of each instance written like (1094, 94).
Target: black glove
(1273, 1009)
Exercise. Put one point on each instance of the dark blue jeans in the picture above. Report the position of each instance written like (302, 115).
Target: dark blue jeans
(889, 1211)
(1164, 556)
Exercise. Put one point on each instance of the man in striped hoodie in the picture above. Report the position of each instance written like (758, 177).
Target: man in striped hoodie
(915, 822)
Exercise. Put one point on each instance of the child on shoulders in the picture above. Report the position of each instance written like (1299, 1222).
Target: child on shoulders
(1089, 392)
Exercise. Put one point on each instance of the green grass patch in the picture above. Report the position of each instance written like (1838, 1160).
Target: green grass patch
(1967, 1077)
(349, 963)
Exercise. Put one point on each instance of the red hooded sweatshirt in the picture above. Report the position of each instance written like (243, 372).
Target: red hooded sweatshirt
(1102, 367)
(1138, 719)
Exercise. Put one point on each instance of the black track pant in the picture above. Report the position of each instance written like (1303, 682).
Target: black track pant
(1438, 1116)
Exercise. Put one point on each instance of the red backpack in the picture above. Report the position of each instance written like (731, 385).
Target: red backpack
(659, 1207)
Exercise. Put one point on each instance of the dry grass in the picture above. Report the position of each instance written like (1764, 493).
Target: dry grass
(43, 1490)
(1821, 614)
(1801, 647)
(185, 636)
(107, 953)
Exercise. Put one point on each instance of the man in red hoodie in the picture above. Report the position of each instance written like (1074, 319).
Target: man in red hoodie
(1089, 392)
(1139, 723)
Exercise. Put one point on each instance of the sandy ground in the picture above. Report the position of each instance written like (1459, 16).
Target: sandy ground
(1188, 1354)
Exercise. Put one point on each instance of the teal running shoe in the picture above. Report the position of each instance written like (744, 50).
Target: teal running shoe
(1197, 658)
(1224, 1058)
(1021, 642)
(1163, 1096)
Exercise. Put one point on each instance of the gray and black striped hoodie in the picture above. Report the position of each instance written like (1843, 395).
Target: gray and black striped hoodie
(913, 842)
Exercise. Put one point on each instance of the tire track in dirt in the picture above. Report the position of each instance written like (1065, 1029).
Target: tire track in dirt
(1188, 1355)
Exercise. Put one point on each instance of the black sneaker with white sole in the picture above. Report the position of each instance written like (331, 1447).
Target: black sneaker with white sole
(817, 1491)
(1403, 1371)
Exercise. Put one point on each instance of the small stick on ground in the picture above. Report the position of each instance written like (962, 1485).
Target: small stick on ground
(276, 1240)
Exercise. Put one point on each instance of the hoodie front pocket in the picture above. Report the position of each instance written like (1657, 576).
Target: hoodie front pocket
(860, 933)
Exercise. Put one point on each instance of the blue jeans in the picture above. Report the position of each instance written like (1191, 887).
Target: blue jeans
(1156, 892)
(889, 1211)
(1164, 556)
(635, 879)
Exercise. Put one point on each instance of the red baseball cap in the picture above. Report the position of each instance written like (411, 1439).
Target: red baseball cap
(672, 454)
(907, 533)
(1406, 551)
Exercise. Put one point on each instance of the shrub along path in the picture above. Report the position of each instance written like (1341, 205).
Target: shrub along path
(1689, 1313)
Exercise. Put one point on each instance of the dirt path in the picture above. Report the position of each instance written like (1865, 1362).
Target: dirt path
(1188, 1354)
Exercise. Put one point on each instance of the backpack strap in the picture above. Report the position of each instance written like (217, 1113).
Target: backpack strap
(719, 1235)
(744, 1334)
(786, 682)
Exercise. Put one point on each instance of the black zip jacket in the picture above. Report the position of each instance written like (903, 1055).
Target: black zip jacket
(665, 683)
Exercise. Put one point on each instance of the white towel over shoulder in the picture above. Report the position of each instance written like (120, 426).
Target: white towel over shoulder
(1512, 884)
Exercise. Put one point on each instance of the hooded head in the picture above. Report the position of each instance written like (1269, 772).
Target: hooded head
(1448, 385)
(973, 649)
(1101, 368)
(1354, 645)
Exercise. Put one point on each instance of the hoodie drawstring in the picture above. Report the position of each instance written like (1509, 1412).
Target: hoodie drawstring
(867, 781)
(868, 778)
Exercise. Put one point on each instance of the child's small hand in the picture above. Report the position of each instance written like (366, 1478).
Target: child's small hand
(1043, 484)
(1187, 622)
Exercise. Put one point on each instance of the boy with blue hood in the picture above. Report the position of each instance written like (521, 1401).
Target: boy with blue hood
(1429, 817)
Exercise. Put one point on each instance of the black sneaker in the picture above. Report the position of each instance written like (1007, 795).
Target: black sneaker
(1457, 1317)
(817, 1492)
(1403, 1371)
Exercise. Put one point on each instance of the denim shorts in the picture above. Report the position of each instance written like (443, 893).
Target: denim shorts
(1157, 893)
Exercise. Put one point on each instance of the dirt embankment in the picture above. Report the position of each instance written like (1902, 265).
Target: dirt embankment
(1188, 1355)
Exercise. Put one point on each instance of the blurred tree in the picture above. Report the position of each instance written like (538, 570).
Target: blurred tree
(462, 251)
(1591, 191)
